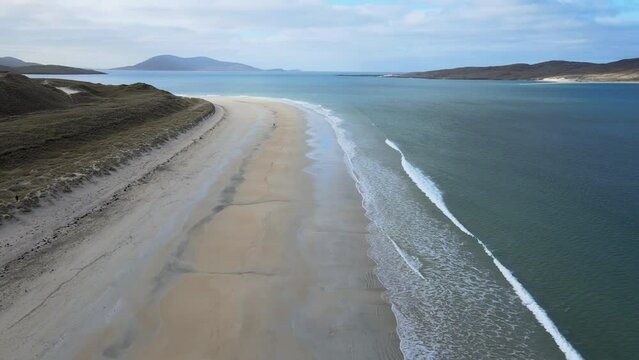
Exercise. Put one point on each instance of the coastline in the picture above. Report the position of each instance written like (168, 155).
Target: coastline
(252, 242)
(564, 80)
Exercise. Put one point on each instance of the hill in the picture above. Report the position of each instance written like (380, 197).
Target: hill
(623, 70)
(9, 61)
(55, 134)
(176, 63)
(18, 66)
(53, 70)
(21, 95)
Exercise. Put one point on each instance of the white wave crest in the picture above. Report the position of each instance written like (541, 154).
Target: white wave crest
(432, 192)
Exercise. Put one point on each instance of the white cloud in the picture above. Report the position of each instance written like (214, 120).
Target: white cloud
(315, 34)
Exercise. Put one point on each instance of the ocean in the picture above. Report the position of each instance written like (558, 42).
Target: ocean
(504, 214)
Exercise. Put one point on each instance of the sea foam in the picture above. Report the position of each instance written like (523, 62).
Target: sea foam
(432, 192)
(348, 147)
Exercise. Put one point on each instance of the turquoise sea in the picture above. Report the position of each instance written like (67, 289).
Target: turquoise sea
(505, 215)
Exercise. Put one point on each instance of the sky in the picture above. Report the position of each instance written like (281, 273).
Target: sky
(320, 35)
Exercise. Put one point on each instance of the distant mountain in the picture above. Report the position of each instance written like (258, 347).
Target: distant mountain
(176, 63)
(623, 70)
(9, 61)
(14, 65)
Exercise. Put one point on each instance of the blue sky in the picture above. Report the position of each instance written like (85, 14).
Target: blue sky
(358, 35)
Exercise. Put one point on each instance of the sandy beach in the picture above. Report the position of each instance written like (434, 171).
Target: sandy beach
(243, 239)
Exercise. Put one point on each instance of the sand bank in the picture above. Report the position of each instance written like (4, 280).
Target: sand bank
(239, 247)
(588, 80)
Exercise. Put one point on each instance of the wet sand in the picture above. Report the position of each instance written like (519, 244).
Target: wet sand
(242, 247)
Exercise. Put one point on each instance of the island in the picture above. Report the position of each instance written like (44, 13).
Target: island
(570, 71)
(176, 63)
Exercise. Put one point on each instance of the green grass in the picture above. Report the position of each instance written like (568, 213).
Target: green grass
(46, 152)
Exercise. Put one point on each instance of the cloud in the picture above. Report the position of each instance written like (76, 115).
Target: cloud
(319, 34)
(626, 19)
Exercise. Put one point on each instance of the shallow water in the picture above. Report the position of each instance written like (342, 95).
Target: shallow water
(546, 175)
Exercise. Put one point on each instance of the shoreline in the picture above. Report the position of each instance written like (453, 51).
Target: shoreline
(264, 225)
(562, 80)
(412, 346)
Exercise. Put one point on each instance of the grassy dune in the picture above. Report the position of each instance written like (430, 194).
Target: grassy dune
(51, 141)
